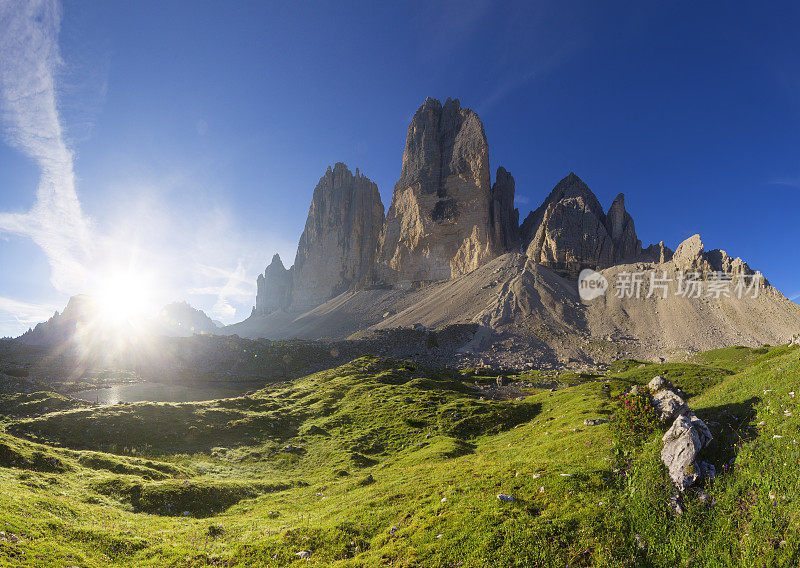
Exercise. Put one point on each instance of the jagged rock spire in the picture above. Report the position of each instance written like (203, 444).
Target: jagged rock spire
(504, 217)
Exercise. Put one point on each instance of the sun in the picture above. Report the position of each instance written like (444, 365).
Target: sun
(124, 297)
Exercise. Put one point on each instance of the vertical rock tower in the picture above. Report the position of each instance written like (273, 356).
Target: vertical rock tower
(438, 224)
(338, 247)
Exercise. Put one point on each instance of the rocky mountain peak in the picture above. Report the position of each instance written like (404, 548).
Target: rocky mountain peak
(690, 251)
(438, 222)
(273, 288)
(183, 320)
(567, 232)
(570, 231)
(622, 230)
(336, 250)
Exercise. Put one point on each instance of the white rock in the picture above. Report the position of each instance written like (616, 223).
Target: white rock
(658, 383)
(668, 405)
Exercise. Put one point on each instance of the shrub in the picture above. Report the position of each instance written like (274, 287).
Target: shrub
(634, 419)
(633, 422)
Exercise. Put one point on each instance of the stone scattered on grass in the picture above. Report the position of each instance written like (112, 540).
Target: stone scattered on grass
(595, 421)
(507, 498)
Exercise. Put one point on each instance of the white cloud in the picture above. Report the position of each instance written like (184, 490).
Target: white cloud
(29, 58)
(231, 290)
(23, 313)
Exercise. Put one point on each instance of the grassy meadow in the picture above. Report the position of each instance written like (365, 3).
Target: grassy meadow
(385, 463)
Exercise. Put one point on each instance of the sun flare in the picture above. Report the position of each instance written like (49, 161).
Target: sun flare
(125, 297)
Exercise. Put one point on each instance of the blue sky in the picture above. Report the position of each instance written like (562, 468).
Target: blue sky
(183, 140)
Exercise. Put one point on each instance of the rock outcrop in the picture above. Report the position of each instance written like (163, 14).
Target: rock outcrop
(658, 253)
(338, 246)
(273, 288)
(690, 256)
(504, 228)
(570, 231)
(438, 224)
(795, 342)
(686, 438)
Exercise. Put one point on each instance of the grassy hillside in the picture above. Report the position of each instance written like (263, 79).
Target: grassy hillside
(382, 463)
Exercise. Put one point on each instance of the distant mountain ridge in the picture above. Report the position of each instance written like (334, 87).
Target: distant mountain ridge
(83, 316)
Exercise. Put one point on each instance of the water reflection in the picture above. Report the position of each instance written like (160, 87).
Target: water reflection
(159, 392)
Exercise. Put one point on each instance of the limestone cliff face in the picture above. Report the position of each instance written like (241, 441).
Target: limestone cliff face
(620, 227)
(338, 247)
(438, 224)
(274, 288)
(504, 226)
(570, 231)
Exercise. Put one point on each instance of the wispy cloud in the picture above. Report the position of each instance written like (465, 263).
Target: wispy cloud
(169, 228)
(236, 288)
(23, 313)
(29, 58)
(789, 182)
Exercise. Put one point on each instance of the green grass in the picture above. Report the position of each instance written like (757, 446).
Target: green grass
(381, 463)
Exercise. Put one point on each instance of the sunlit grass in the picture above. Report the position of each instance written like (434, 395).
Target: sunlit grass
(379, 462)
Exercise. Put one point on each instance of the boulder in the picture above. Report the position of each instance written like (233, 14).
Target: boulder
(438, 224)
(795, 340)
(668, 404)
(658, 383)
(682, 442)
(702, 430)
(681, 445)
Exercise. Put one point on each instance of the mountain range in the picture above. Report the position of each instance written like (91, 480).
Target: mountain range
(451, 249)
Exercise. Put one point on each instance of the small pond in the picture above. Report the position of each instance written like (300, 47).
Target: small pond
(161, 392)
